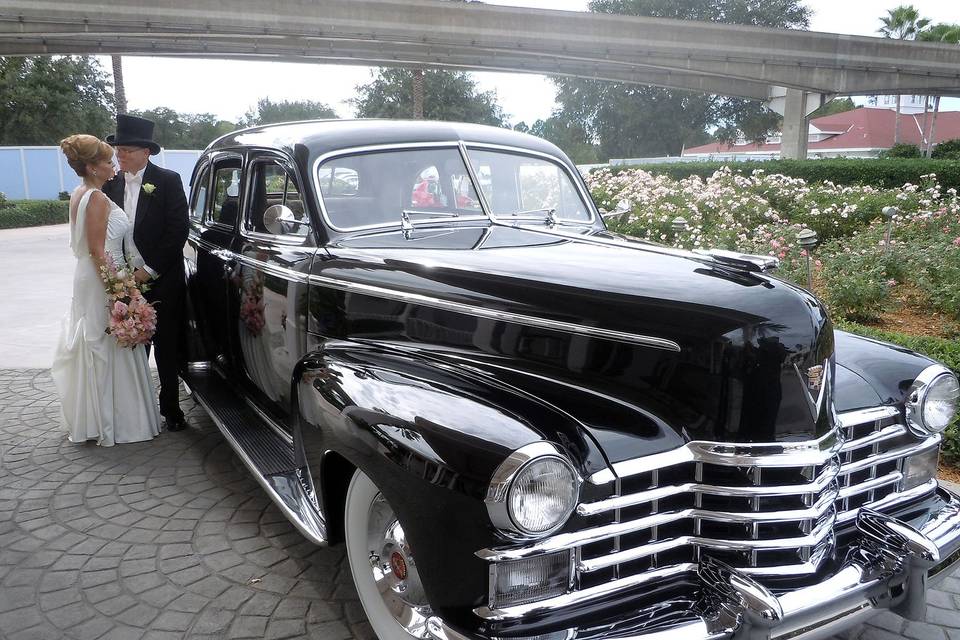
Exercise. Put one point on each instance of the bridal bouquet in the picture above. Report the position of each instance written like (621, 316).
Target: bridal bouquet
(133, 320)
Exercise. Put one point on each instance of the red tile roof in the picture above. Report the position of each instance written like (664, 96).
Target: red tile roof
(863, 128)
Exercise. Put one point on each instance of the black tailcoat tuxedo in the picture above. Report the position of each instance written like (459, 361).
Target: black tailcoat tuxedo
(160, 231)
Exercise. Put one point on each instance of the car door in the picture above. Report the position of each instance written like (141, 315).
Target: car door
(274, 252)
(215, 202)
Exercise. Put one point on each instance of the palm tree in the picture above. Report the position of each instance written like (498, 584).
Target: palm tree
(941, 32)
(418, 93)
(902, 23)
(119, 95)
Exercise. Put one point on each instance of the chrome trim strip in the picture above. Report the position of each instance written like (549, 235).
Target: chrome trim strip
(587, 536)
(862, 416)
(646, 550)
(760, 454)
(446, 305)
(891, 501)
(888, 456)
(569, 599)
(491, 314)
(292, 502)
(870, 485)
(887, 433)
(633, 499)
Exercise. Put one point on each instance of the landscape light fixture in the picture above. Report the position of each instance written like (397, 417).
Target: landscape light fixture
(808, 240)
(888, 213)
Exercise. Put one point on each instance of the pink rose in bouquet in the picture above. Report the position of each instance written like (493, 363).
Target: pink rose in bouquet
(252, 307)
(133, 320)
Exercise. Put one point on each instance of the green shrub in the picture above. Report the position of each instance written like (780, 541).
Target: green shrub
(902, 150)
(947, 150)
(888, 173)
(32, 213)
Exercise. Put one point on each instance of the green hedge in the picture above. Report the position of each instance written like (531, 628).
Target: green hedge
(887, 172)
(32, 213)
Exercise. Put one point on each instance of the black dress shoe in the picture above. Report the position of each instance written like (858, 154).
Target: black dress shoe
(176, 424)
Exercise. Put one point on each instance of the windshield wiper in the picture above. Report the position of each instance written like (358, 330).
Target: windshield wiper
(406, 224)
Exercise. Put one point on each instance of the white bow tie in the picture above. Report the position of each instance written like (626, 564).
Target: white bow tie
(130, 177)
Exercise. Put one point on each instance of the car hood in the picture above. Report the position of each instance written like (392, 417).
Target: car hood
(746, 341)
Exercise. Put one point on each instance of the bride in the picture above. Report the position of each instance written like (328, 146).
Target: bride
(106, 391)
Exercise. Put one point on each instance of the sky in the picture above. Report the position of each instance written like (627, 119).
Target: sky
(229, 88)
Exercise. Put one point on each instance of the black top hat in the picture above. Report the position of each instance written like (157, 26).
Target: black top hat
(134, 132)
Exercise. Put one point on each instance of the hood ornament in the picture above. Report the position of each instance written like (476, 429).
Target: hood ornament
(816, 385)
(815, 378)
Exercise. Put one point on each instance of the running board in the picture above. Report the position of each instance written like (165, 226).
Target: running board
(269, 457)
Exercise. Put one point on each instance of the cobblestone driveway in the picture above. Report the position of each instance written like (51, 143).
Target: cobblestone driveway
(172, 539)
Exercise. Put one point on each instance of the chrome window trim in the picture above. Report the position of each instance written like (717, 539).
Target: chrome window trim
(917, 397)
(350, 151)
(502, 480)
(214, 158)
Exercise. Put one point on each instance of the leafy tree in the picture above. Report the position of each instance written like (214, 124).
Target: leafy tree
(902, 150)
(44, 99)
(567, 134)
(185, 130)
(270, 112)
(629, 120)
(947, 150)
(902, 23)
(448, 95)
(941, 32)
(837, 105)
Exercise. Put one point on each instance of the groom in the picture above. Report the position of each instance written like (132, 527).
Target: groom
(154, 201)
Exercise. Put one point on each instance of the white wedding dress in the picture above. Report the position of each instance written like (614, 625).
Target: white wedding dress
(106, 392)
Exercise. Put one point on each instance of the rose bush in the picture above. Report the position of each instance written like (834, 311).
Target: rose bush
(856, 268)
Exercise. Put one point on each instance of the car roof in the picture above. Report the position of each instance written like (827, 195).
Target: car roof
(325, 136)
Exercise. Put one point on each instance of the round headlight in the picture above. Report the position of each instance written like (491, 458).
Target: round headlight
(533, 491)
(542, 496)
(932, 400)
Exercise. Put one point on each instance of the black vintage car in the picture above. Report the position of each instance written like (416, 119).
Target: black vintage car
(424, 343)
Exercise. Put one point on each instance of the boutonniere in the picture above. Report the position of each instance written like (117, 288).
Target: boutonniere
(149, 188)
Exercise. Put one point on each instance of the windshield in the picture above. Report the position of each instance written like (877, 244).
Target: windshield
(517, 185)
(409, 186)
(382, 187)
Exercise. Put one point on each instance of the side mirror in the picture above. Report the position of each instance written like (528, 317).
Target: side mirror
(280, 220)
(622, 212)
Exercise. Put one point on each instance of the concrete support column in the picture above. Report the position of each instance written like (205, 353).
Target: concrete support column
(793, 143)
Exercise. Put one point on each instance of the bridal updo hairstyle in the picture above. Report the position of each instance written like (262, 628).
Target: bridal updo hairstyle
(82, 150)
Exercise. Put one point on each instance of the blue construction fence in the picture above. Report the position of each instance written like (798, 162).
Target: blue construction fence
(41, 173)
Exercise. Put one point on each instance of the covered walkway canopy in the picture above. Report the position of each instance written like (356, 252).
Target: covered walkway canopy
(795, 70)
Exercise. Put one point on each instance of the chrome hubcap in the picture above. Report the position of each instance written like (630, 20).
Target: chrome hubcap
(394, 570)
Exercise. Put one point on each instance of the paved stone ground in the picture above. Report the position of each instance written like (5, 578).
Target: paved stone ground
(172, 539)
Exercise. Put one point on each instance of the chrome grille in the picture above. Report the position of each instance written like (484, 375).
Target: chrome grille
(769, 510)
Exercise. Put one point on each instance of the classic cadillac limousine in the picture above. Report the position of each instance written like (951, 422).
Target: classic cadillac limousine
(425, 344)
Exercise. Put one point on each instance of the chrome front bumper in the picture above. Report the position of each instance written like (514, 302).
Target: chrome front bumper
(890, 569)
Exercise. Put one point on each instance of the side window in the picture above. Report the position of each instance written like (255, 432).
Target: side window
(200, 187)
(226, 191)
(276, 207)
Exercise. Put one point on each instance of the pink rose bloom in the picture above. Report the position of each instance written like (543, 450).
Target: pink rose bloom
(956, 241)
(119, 309)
